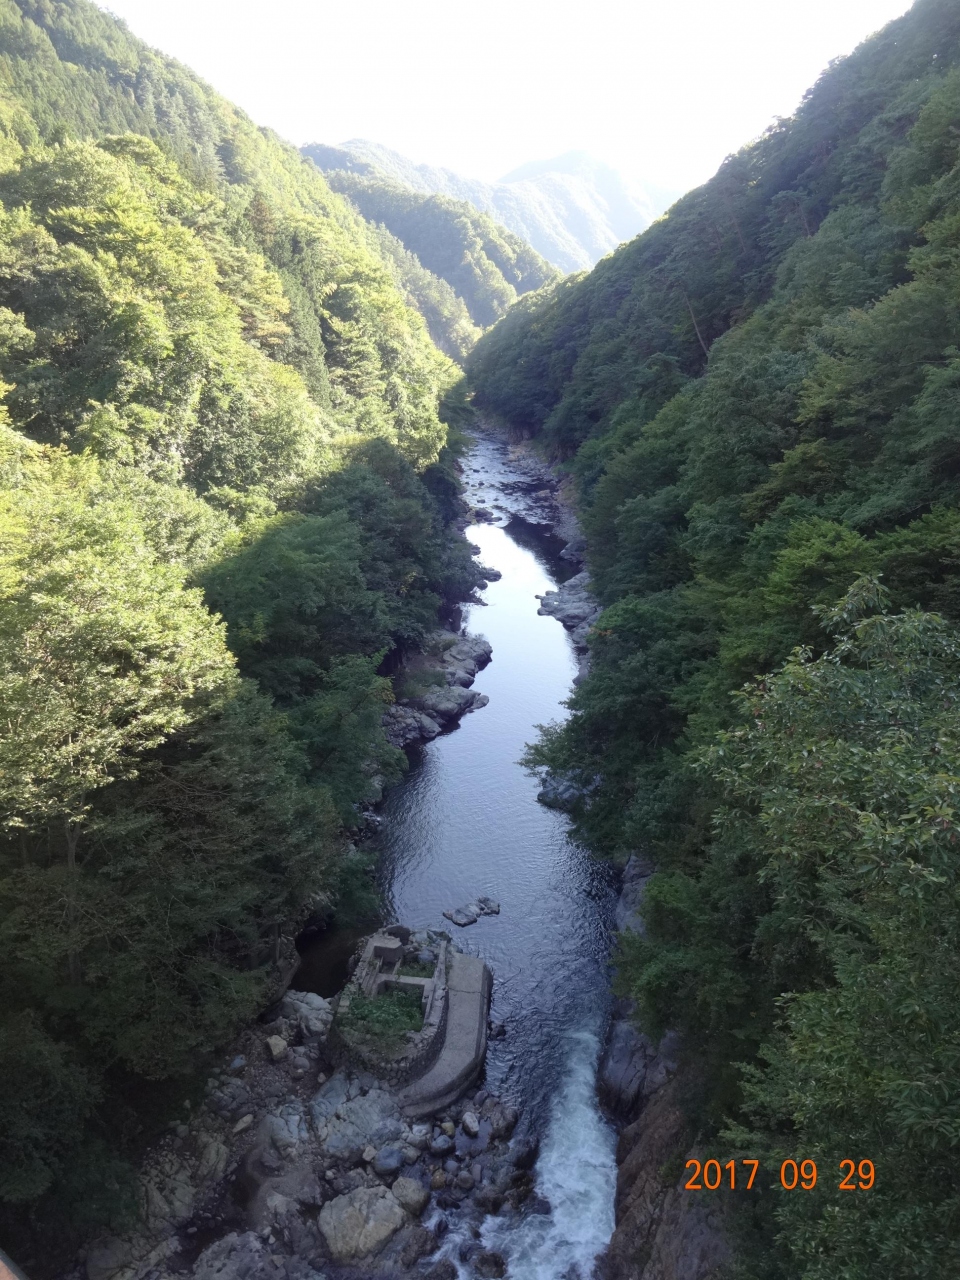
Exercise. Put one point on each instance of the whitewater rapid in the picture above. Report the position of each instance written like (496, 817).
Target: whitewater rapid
(576, 1173)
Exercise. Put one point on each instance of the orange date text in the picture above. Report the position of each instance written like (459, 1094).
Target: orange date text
(739, 1175)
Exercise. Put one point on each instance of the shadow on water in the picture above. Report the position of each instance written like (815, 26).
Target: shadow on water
(324, 958)
(543, 544)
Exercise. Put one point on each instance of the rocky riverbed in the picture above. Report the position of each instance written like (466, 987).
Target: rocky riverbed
(299, 1165)
(575, 606)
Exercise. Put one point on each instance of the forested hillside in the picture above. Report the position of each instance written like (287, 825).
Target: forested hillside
(758, 400)
(485, 264)
(572, 208)
(224, 497)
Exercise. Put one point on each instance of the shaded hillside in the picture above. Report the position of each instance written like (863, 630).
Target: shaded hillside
(757, 399)
(225, 497)
(444, 312)
(572, 209)
(486, 265)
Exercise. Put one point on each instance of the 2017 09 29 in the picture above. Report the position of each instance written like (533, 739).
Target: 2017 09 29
(711, 1175)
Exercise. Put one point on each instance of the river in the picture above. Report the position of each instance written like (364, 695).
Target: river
(465, 821)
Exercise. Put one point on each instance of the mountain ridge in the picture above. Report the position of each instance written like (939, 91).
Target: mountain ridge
(484, 264)
(573, 209)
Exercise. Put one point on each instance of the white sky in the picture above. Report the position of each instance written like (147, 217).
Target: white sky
(662, 89)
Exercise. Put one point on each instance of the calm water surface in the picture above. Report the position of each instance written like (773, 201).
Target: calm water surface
(466, 821)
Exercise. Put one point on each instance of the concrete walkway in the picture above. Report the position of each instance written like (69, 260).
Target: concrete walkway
(465, 1041)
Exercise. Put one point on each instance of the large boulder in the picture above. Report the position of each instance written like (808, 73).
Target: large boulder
(462, 916)
(464, 659)
(503, 1119)
(371, 1120)
(333, 1093)
(277, 1048)
(448, 704)
(388, 1162)
(406, 725)
(489, 1265)
(311, 1013)
(238, 1256)
(287, 1129)
(360, 1223)
(636, 875)
(564, 790)
(632, 1068)
(572, 604)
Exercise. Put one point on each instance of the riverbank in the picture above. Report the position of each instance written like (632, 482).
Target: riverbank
(659, 1231)
(433, 687)
(465, 824)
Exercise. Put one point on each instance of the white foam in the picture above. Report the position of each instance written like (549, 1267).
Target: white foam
(576, 1172)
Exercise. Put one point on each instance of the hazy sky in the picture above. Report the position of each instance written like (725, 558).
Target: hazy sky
(663, 89)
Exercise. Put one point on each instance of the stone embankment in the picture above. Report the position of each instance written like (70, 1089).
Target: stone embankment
(662, 1231)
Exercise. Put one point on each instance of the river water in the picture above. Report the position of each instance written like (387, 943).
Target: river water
(465, 821)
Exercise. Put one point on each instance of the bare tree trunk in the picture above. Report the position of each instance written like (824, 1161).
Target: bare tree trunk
(72, 830)
(695, 325)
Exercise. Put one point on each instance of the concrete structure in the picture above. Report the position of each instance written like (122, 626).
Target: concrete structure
(461, 1058)
(446, 1055)
(378, 970)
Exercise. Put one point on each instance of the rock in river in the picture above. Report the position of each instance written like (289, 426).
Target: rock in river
(472, 911)
(462, 916)
(451, 703)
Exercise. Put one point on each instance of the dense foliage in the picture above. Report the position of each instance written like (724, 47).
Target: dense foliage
(225, 497)
(758, 401)
(444, 311)
(487, 266)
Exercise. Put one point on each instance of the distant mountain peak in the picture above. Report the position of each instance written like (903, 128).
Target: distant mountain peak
(575, 162)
